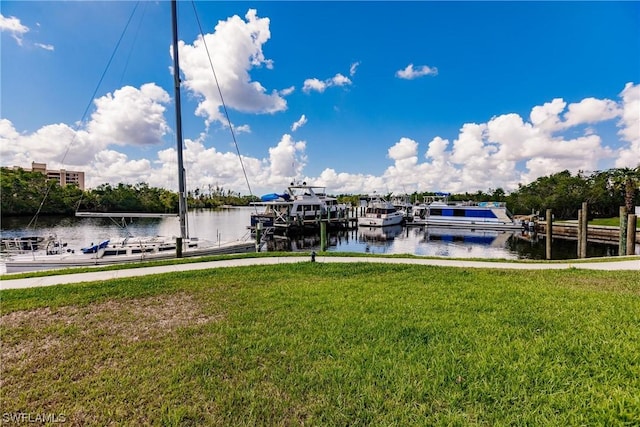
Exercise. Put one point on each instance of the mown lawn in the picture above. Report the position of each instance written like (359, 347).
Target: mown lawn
(612, 222)
(328, 344)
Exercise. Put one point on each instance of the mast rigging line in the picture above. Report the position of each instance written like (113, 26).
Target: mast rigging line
(86, 111)
(224, 105)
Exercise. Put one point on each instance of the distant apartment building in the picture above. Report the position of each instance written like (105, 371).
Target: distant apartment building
(63, 176)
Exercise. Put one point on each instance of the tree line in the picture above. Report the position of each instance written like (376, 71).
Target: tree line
(563, 193)
(26, 193)
(30, 193)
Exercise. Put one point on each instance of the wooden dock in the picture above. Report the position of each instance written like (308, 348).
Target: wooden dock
(595, 233)
(342, 222)
(284, 222)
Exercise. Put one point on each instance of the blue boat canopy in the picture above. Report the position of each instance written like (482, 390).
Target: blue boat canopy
(92, 249)
(274, 196)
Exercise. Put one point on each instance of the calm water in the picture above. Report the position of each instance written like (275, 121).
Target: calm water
(231, 224)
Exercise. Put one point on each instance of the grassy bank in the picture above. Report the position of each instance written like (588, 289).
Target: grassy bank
(328, 344)
(611, 222)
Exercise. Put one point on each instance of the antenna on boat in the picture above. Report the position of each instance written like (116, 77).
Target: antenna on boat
(182, 200)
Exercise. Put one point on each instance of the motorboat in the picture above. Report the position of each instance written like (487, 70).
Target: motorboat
(380, 213)
(300, 206)
(404, 205)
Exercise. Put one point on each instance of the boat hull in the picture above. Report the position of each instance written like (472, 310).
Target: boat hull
(367, 221)
(465, 224)
(29, 262)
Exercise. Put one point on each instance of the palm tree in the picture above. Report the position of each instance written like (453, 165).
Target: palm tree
(626, 180)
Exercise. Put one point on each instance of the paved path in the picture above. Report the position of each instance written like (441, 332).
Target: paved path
(622, 264)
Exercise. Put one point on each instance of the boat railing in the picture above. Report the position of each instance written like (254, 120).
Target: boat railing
(444, 201)
(30, 244)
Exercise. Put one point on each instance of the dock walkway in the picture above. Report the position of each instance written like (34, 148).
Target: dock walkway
(620, 263)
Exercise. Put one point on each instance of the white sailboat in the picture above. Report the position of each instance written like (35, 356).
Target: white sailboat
(56, 254)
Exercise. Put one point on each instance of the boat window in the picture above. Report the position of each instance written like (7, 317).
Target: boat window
(481, 214)
(110, 252)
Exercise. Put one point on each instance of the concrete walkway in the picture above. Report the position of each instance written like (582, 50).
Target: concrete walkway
(622, 264)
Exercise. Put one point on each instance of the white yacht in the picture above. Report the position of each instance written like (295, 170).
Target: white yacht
(380, 213)
(301, 206)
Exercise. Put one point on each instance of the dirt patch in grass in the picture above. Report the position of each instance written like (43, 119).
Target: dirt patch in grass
(128, 320)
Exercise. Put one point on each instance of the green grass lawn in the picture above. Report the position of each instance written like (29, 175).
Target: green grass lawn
(612, 222)
(328, 344)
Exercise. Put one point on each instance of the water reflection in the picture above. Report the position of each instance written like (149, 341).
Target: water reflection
(439, 241)
(232, 224)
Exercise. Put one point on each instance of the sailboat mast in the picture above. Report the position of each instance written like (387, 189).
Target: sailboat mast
(182, 200)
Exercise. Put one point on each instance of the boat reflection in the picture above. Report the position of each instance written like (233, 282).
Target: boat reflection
(379, 234)
(416, 240)
(467, 236)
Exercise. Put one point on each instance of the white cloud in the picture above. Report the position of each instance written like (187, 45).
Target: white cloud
(590, 110)
(410, 73)
(403, 149)
(285, 158)
(108, 164)
(317, 85)
(130, 116)
(299, 123)
(506, 150)
(242, 129)
(48, 47)
(235, 48)
(313, 84)
(287, 91)
(13, 26)
(340, 80)
(354, 68)
(547, 116)
(630, 127)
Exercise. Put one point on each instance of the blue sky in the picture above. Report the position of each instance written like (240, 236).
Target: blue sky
(357, 96)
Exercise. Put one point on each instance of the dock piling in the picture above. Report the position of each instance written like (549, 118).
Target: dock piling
(549, 233)
(178, 247)
(323, 236)
(622, 245)
(631, 234)
(583, 226)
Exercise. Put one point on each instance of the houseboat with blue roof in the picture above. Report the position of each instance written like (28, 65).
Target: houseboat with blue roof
(437, 210)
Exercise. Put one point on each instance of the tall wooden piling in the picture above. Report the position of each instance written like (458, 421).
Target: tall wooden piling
(622, 245)
(631, 234)
(258, 235)
(178, 247)
(584, 227)
(579, 231)
(549, 233)
(323, 236)
(583, 222)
